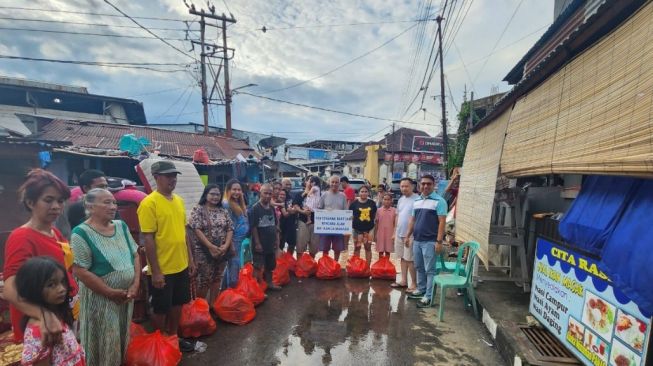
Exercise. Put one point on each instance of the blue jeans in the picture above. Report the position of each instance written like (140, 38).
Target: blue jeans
(424, 257)
(230, 278)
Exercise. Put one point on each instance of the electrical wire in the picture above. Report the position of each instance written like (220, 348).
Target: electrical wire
(449, 42)
(149, 31)
(335, 25)
(124, 65)
(342, 65)
(181, 96)
(87, 33)
(86, 24)
(88, 13)
(374, 134)
(327, 109)
(160, 91)
(499, 39)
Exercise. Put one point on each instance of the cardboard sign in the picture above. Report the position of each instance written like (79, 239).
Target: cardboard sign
(577, 303)
(333, 222)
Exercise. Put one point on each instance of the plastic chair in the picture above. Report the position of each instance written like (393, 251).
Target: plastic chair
(460, 278)
(245, 252)
(443, 266)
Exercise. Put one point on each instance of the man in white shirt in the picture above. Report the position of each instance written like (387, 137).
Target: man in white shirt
(405, 251)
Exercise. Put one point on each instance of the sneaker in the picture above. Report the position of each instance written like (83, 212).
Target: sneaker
(186, 346)
(416, 295)
(424, 303)
(200, 347)
(274, 287)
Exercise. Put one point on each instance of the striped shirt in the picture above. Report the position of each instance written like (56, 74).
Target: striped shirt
(425, 212)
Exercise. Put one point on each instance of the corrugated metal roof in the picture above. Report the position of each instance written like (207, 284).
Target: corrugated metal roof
(171, 143)
(401, 140)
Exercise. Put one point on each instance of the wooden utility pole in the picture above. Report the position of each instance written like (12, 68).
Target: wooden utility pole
(206, 99)
(227, 88)
(392, 160)
(445, 139)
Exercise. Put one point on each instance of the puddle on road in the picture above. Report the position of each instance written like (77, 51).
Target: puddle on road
(345, 322)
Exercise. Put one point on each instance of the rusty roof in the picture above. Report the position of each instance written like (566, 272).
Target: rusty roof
(106, 136)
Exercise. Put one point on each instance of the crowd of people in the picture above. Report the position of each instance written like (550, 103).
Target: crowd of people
(62, 290)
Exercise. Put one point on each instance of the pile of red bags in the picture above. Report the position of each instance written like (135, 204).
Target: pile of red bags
(232, 307)
(306, 266)
(357, 267)
(383, 269)
(248, 286)
(328, 268)
(281, 274)
(290, 260)
(196, 320)
(152, 349)
(136, 330)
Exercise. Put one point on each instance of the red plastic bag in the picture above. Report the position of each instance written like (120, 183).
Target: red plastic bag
(357, 267)
(290, 260)
(232, 307)
(248, 286)
(263, 285)
(306, 266)
(383, 269)
(280, 275)
(196, 320)
(136, 330)
(328, 268)
(153, 349)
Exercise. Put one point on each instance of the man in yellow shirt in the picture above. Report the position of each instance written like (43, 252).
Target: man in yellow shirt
(162, 218)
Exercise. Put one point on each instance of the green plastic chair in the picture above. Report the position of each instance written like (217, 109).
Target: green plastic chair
(460, 278)
(245, 252)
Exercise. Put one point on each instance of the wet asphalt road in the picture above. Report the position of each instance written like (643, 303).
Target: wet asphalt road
(349, 322)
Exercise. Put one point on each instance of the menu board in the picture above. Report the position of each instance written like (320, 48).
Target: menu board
(576, 302)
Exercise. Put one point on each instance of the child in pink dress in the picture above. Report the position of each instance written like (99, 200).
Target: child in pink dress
(42, 282)
(385, 226)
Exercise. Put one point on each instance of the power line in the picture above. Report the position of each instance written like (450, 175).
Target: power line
(160, 91)
(343, 65)
(469, 77)
(87, 33)
(88, 13)
(149, 31)
(456, 30)
(124, 65)
(327, 109)
(375, 133)
(181, 96)
(335, 25)
(87, 24)
(500, 37)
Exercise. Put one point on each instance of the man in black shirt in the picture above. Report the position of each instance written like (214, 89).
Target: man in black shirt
(88, 180)
(265, 236)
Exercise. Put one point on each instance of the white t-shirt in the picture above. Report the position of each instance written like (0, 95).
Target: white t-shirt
(404, 212)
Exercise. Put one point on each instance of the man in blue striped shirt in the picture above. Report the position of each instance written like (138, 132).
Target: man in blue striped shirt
(426, 228)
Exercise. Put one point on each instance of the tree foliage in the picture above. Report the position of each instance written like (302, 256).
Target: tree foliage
(459, 146)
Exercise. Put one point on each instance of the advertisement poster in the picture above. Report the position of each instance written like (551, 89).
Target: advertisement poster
(333, 221)
(576, 302)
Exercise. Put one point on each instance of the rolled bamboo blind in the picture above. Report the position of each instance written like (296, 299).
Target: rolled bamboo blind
(593, 116)
(478, 184)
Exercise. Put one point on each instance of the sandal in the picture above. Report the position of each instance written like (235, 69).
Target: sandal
(397, 285)
(410, 290)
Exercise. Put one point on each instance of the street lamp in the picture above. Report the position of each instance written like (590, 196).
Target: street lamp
(228, 93)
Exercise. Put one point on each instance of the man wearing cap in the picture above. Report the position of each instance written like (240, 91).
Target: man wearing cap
(162, 218)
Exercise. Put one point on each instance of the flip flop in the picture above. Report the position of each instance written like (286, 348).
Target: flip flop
(397, 285)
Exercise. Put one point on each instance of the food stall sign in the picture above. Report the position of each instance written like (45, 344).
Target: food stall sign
(576, 302)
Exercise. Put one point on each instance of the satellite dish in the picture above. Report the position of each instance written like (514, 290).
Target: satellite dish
(272, 142)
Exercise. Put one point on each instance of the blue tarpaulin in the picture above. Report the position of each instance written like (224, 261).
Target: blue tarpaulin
(612, 217)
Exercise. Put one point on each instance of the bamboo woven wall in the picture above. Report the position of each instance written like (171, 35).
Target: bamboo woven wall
(478, 183)
(595, 115)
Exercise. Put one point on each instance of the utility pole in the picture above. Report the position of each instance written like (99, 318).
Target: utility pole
(445, 142)
(206, 99)
(227, 88)
(392, 160)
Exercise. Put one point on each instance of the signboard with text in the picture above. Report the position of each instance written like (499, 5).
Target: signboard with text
(426, 144)
(576, 302)
(333, 221)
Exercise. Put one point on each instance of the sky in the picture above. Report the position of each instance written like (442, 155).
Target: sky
(367, 58)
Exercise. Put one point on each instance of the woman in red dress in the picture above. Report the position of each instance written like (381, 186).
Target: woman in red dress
(43, 195)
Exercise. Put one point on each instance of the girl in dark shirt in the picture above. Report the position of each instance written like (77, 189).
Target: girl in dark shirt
(364, 211)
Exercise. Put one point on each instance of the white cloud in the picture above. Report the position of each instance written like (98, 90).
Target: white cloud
(279, 58)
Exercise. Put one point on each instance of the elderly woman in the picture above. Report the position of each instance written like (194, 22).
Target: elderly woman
(106, 264)
(211, 233)
(43, 195)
